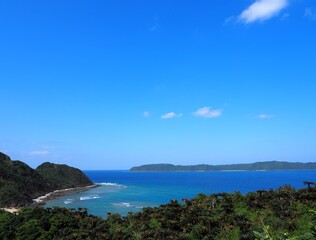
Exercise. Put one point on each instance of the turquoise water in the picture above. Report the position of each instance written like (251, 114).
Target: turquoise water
(123, 191)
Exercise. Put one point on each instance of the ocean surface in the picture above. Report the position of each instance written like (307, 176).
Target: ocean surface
(122, 191)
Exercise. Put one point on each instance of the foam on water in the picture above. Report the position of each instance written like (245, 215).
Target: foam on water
(127, 205)
(84, 198)
(112, 184)
(122, 204)
(68, 201)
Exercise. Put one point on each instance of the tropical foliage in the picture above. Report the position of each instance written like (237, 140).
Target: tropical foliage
(279, 214)
(20, 184)
(62, 176)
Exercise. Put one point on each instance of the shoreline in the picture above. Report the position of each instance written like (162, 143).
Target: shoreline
(40, 201)
(11, 209)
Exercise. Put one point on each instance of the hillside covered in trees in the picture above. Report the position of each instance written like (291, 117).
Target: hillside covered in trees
(20, 184)
(281, 214)
(258, 166)
(62, 176)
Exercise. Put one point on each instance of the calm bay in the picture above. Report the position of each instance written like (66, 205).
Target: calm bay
(123, 191)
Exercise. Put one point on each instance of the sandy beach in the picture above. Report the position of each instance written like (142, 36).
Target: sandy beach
(11, 210)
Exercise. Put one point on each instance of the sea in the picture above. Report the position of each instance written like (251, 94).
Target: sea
(123, 191)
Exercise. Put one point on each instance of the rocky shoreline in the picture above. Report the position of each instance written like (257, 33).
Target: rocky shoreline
(40, 201)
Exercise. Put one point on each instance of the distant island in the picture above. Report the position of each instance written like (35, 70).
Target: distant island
(258, 166)
(20, 185)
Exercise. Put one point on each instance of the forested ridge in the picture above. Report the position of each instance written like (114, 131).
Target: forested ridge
(258, 166)
(284, 213)
(62, 176)
(20, 184)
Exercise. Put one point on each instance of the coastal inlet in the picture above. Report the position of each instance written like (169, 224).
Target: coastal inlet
(124, 191)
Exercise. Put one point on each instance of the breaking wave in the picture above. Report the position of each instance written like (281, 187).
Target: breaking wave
(84, 198)
(126, 205)
(68, 201)
(112, 184)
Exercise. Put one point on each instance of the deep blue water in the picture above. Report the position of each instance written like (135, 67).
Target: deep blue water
(124, 191)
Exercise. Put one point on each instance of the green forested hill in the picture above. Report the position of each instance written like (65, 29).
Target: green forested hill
(270, 165)
(62, 176)
(20, 184)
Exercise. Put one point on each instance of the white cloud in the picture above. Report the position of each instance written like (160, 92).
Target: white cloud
(262, 10)
(264, 116)
(46, 147)
(310, 14)
(38, 153)
(146, 114)
(208, 112)
(171, 115)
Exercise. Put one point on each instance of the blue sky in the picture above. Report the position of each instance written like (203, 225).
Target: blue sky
(114, 84)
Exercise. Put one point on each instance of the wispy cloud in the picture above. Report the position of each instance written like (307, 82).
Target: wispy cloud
(310, 14)
(207, 112)
(47, 147)
(171, 115)
(146, 114)
(264, 116)
(229, 19)
(154, 28)
(262, 10)
(38, 153)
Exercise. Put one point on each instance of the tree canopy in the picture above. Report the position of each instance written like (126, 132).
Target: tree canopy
(284, 213)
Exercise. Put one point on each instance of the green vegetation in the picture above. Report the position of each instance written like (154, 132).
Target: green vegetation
(285, 213)
(20, 184)
(279, 214)
(62, 176)
(271, 165)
